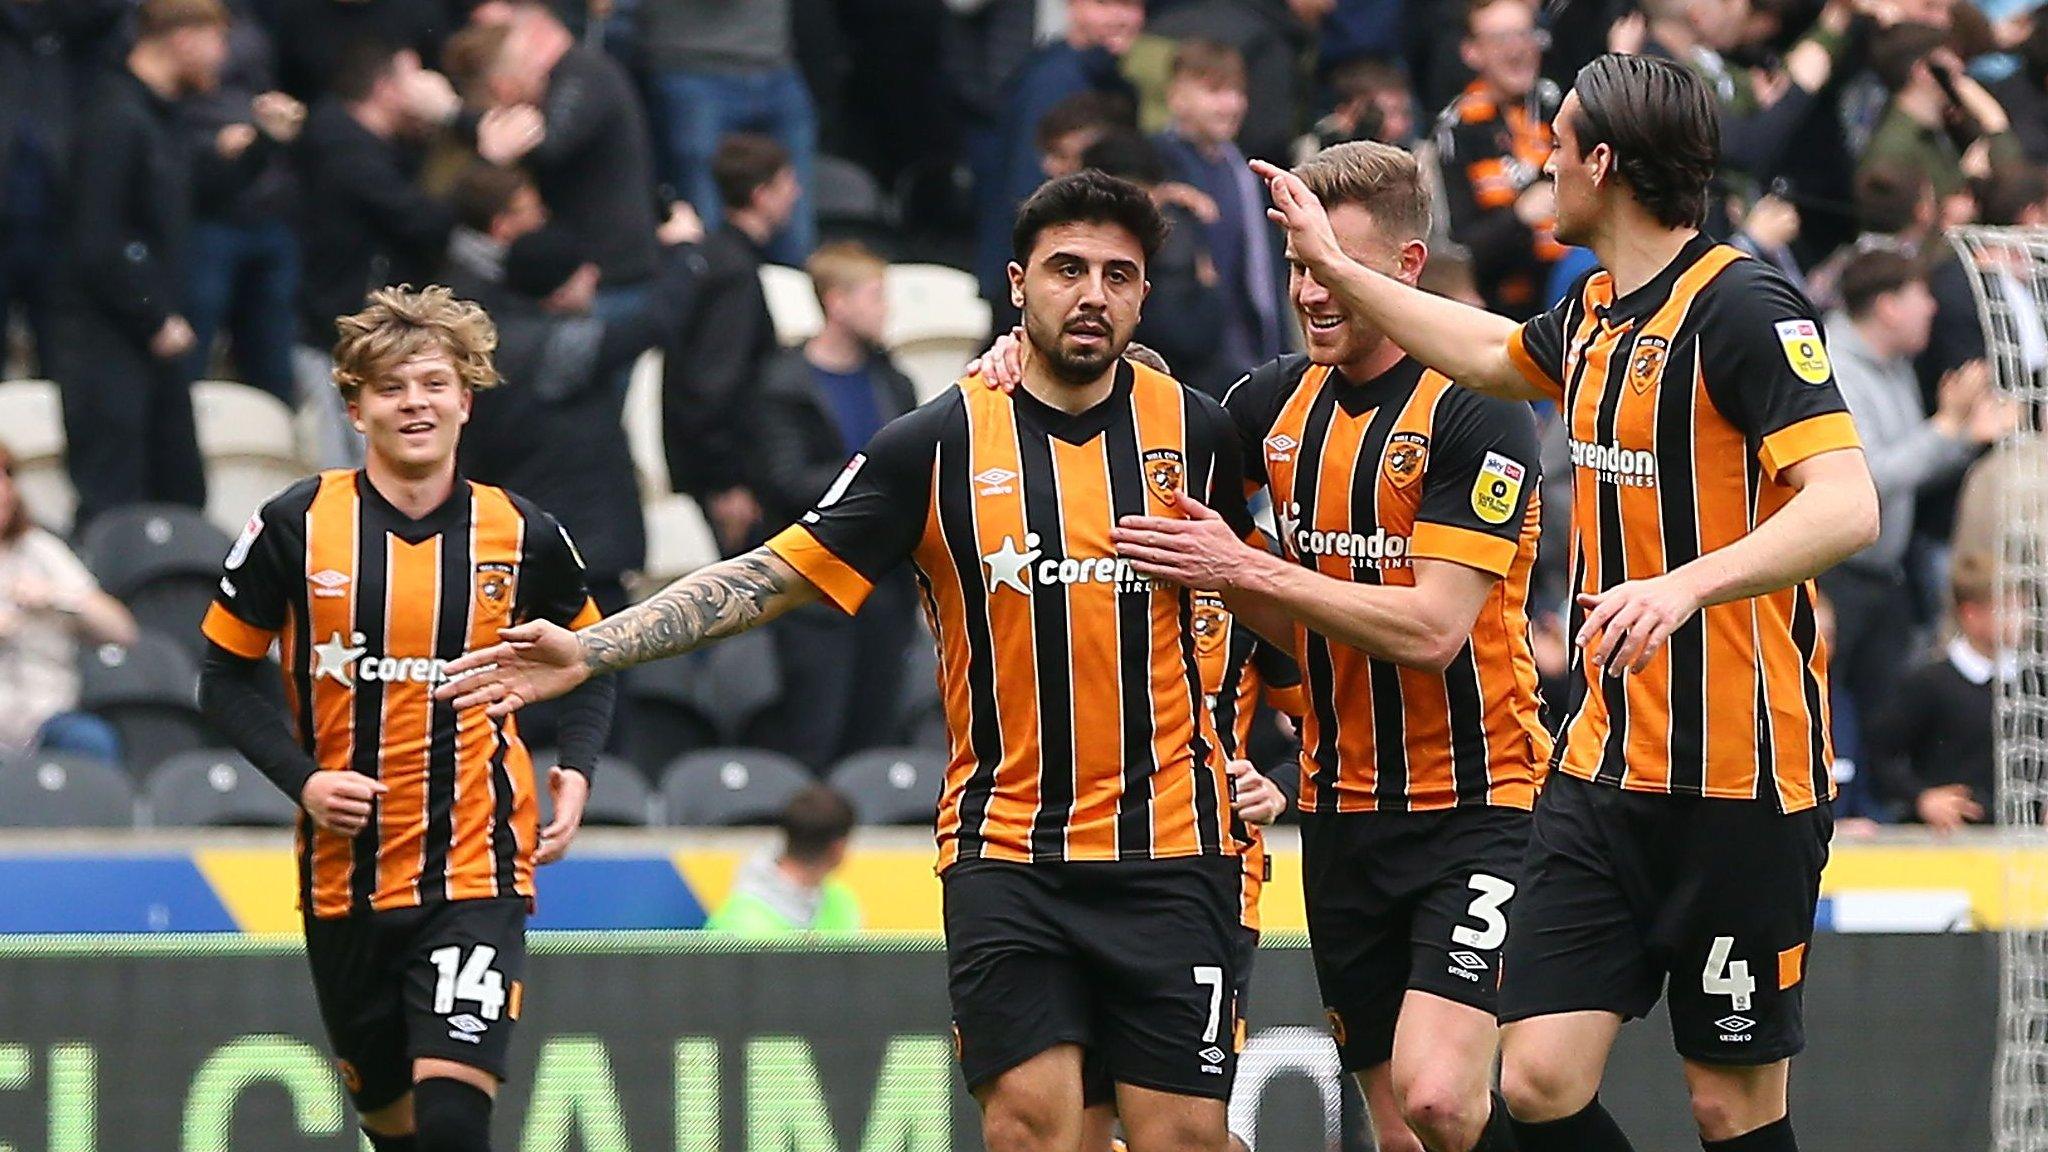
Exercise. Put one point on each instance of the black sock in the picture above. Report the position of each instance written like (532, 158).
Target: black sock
(451, 1116)
(1499, 1133)
(1591, 1130)
(405, 1143)
(1773, 1137)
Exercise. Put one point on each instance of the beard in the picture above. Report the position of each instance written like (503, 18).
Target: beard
(1073, 366)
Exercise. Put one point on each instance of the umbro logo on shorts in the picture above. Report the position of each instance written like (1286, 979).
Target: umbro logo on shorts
(1469, 960)
(1734, 1024)
(467, 1028)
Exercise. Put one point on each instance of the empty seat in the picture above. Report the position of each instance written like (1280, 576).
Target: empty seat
(791, 303)
(642, 420)
(728, 684)
(892, 785)
(843, 192)
(679, 541)
(932, 301)
(149, 692)
(936, 364)
(215, 788)
(727, 786)
(46, 489)
(236, 486)
(127, 548)
(55, 790)
(32, 419)
(619, 798)
(238, 420)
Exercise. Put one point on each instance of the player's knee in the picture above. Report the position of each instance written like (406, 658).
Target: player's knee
(1443, 1115)
(1539, 1091)
(1725, 1109)
(1181, 1133)
(451, 1116)
(1239, 1144)
(1024, 1124)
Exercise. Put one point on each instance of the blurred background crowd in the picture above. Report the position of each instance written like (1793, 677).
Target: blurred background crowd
(726, 240)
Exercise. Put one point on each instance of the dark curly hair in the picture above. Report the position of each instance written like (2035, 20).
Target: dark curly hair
(1661, 122)
(1088, 197)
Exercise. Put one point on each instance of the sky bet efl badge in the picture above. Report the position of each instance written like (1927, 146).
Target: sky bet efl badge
(1804, 350)
(1495, 491)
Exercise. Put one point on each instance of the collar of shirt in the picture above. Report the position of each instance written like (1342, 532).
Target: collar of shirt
(1976, 667)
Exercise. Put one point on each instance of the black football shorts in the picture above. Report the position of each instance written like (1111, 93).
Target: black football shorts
(1133, 960)
(1629, 896)
(441, 981)
(1406, 900)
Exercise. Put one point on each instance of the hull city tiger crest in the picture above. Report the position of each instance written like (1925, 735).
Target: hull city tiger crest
(1406, 452)
(1647, 365)
(493, 583)
(1163, 471)
(1211, 624)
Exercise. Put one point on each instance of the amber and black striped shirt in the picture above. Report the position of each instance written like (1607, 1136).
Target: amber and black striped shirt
(1072, 693)
(1239, 671)
(1365, 479)
(1686, 400)
(367, 607)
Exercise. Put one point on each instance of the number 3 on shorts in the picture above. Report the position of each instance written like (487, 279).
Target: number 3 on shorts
(475, 980)
(1486, 908)
(1722, 978)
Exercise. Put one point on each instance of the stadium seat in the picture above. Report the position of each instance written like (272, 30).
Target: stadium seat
(238, 420)
(721, 787)
(792, 303)
(725, 687)
(620, 798)
(162, 561)
(55, 790)
(891, 785)
(642, 420)
(848, 200)
(932, 301)
(663, 718)
(32, 420)
(679, 541)
(46, 489)
(237, 486)
(148, 691)
(215, 788)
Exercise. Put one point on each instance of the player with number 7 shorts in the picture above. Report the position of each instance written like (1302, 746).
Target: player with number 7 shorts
(1407, 518)
(419, 832)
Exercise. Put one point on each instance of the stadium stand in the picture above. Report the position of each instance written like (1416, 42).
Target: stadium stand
(721, 787)
(214, 788)
(250, 446)
(162, 561)
(619, 798)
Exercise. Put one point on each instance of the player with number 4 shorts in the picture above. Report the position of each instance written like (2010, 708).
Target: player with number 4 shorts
(418, 834)
(1677, 848)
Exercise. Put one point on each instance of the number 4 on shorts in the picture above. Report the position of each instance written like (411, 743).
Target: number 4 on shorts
(475, 980)
(1725, 978)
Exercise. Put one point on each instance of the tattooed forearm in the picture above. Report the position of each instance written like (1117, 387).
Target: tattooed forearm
(721, 600)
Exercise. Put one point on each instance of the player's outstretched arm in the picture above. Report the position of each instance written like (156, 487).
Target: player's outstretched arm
(541, 660)
(1832, 516)
(1467, 344)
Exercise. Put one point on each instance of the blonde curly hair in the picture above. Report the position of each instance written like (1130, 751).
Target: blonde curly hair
(400, 324)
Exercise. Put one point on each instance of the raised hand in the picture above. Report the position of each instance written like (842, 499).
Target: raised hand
(535, 661)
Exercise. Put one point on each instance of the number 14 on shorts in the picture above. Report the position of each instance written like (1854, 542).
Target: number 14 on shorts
(473, 980)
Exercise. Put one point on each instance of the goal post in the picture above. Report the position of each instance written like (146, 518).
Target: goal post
(2005, 514)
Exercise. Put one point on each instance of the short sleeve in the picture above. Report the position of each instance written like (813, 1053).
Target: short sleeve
(1479, 476)
(872, 516)
(1538, 347)
(554, 585)
(1253, 404)
(1768, 370)
(255, 588)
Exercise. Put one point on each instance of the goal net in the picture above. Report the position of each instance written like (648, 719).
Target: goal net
(2008, 273)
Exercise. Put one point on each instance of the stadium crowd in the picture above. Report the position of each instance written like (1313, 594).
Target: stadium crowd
(193, 190)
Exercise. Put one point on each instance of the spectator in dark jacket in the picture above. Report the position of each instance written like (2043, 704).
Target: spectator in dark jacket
(41, 50)
(554, 432)
(1933, 750)
(242, 271)
(1099, 32)
(120, 341)
(1183, 319)
(315, 37)
(712, 373)
(1205, 96)
(590, 158)
(842, 675)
